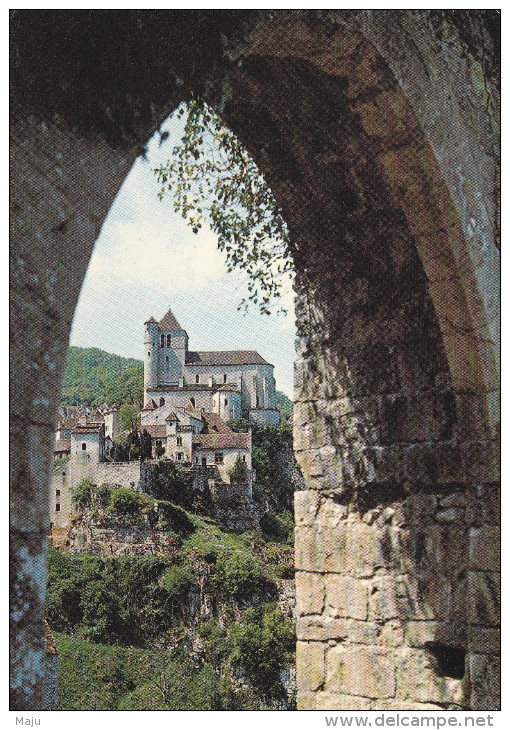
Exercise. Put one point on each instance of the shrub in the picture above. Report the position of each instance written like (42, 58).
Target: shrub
(125, 501)
(81, 495)
(103, 494)
(239, 574)
(176, 581)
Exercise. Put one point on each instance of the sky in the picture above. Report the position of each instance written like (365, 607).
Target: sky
(147, 260)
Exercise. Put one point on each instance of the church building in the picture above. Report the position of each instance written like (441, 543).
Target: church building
(229, 383)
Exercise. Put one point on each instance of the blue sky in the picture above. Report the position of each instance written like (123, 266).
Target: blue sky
(146, 259)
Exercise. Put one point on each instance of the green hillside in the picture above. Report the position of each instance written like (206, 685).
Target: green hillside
(93, 376)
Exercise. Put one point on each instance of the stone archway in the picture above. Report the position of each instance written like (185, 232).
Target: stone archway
(350, 116)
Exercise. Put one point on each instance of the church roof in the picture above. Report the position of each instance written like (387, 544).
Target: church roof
(225, 357)
(151, 319)
(170, 323)
(156, 431)
(221, 441)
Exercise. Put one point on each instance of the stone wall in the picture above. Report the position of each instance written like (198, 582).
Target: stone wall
(391, 196)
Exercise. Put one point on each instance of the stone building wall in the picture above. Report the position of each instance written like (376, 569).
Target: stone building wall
(391, 197)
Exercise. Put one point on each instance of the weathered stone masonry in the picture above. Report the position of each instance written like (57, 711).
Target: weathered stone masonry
(378, 133)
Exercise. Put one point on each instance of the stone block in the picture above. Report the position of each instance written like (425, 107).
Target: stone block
(391, 634)
(309, 666)
(332, 514)
(420, 464)
(484, 548)
(483, 598)
(481, 462)
(362, 632)
(361, 671)
(308, 550)
(483, 505)
(310, 628)
(306, 506)
(310, 592)
(419, 680)
(484, 681)
(306, 700)
(484, 641)
(397, 705)
(383, 603)
(335, 549)
(346, 597)
(418, 633)
(332, 701)
(336, 628)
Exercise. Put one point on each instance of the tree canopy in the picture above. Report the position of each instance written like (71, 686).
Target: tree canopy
(213, 179)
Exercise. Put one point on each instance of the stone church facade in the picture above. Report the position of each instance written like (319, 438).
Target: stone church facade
(230, 383)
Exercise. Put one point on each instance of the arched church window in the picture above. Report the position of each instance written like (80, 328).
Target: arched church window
(168, 341)
(162, 340)
(179, 440)
(197, 378)
(161, 401)
(226, 401)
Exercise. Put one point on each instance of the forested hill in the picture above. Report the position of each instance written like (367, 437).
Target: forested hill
(93, 376)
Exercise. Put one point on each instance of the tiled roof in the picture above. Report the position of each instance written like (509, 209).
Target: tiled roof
(229, 387)
(221, 441)
(169, 323)
(214, 423)
(188, 388)
(62, 445)
(225, 357)
(88, 428)
(156, 432)
(150, 406)
(172, 417)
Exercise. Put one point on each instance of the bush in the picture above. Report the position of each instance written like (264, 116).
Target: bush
(125, 501)
(103, 495)
(239, 574)
(81, 495)
(177, 581)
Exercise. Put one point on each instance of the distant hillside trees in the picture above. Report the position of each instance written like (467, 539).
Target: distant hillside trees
(93, 376)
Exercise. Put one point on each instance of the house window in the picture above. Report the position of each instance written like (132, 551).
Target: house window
(57, 507)
(168, 341)
(179, 456)
(179, 440)
(225, 377)
(148, 354)
(84, 447)
(161, 401)
(204, 461)
(226, 401)
(162, 340)
(57, 492)
(167, 358)
(218, 457)
(244, 457)
(197, 378)
(257, 401)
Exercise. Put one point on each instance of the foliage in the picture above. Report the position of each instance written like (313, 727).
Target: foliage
(81, 495)
(177, 581)
(284, 405)
(103, 495)
(93, 377)
(271, 457)
(239, 575)
(278, 526)
(264, 643)
(129, 417)
(145, 445)
(125, 501)
(238, 472)
(212, 178)
(126, 448)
